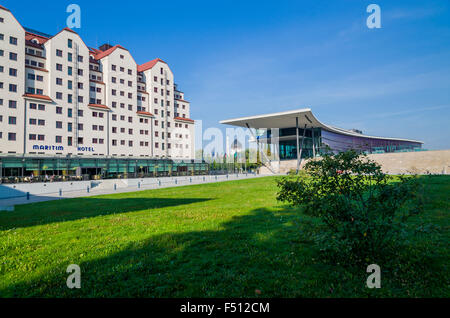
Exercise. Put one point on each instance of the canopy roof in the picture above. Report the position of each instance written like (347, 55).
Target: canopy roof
(287, 120)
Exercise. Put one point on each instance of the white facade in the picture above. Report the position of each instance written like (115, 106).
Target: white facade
(69, 99)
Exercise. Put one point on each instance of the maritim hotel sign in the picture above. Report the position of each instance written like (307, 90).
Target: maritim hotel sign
(60, 148)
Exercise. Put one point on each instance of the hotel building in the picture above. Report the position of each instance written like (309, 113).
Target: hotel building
(60, 98)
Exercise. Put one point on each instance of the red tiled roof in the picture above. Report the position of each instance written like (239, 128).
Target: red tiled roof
(99, 106)
(2, 7)
(36, 68)
(103, 54)
(44, 97)
(144, 113)
(149, 65)
(98, 82)
(182, 100)
(184, 119)
(30, 36)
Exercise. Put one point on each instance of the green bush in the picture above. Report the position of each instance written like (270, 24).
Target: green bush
(364, 211)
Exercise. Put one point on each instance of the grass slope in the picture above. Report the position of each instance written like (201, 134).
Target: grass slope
(214, 240)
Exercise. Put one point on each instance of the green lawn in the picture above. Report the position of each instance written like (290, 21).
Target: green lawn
(214, 240)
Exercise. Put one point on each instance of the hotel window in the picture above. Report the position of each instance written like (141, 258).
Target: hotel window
(113, 67)
(39, 78)
(33, 121)
(12, 120)
(156, 144)
(41, 137)
(69, 98)
(130, 83)
(12, 104)
(114, 117)
(69, 43)
(101, 141)
(69, 112)
(101, 128)
(122, 81)
(59, 67)
(13, 56)
(69, 70)
(1, 36)
(121, 56)
(80, 72)
(69, 57)
(130, 72)
(114, 92)
(122, 69)
(114, 142)
(69, 84)
(130, 107)
(114, 130)
(130, 95)
(41, 122)
(94, 114)
(100, 115)
(59, 110)
(80, 113)
(156, 134)
(80, 59)
(69, 141)
(122, 117)
(59, 95)
(58, 139)
(156, 123)
(130, 119)
(59, 124)
(113, 79)
(122, 142)
(1, 69)
(33, 106)
(80, 126)
(31, 76)
(80, 99)
(69, 127)
(59, 53)
(2, 52)
(155, 101)
(80, 140)
(130, 143)
(41, 107)
(12, 136)
(80, 85)
(130, 131)
(32, 137)
(12, 40)
(114, 104)
(155, 78)
(12, 72)
(162, 71)
(31, 90)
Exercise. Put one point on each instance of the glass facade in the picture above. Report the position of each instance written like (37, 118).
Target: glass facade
(318, 141)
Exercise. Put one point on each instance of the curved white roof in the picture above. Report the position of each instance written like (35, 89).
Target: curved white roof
(287, 120)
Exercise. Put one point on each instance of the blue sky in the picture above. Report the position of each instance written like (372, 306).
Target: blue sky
(239, 58)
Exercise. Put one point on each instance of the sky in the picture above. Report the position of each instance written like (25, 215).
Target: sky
(243, 58)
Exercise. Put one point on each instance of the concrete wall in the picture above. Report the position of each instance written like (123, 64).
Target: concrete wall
(20, 190)
(423, 162)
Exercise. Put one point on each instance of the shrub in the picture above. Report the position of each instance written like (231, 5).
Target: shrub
(364, 211)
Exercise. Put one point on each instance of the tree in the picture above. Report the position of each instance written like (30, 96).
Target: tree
(363, 210)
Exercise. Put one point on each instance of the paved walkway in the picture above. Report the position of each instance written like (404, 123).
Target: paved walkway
(111, 186)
